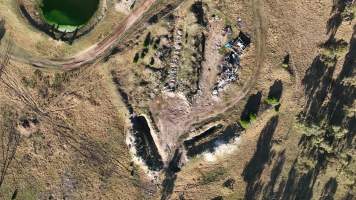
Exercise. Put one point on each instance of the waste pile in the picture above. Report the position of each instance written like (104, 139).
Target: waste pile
(230, 66)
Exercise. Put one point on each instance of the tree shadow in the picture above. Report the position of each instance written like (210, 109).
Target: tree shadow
(333, 24)
(279, 191)
(256, 165)
(252, 106)
(334, 44)
(275, 173)
(198, 9)
(343, 94)
(170, 175)
(299, 186)
(162, 13)
(275, 91)
(286, 59)
(304, 189)
(329, 190)
(2, 29)
(318, 92)
(289, 185)
(328, 97)
(335, 20)
(10, 139)
(314, 75)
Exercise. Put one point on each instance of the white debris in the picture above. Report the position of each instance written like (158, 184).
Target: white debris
(221, 150)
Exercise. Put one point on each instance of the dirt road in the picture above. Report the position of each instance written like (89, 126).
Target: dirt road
(175, 120)
(203, 113)
(260, 30)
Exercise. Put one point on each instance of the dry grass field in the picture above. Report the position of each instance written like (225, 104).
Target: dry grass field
(272, 120)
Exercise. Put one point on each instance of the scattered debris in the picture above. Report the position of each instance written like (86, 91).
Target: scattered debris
(171, 84)
(230, 66)
(227, 30)
(125, 5)
(229, 183)
(240, 24)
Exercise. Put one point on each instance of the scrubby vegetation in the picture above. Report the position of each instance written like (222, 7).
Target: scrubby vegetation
(213, 176)
(245, 123)
(272, 101)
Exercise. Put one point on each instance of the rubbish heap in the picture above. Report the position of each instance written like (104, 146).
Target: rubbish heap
(229, 68)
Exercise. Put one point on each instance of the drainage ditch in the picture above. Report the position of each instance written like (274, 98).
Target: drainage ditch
(209, 140)
(145, 145)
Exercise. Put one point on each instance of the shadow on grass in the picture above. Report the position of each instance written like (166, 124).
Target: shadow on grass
(275, 91)
(171, 176)
(255, 166)
(252, 106)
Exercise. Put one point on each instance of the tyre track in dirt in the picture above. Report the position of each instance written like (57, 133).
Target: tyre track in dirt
(201, 114)
(176, 122)
(260, 33)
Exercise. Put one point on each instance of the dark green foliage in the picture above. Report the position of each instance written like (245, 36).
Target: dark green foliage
(144, 52)
(137, 56)
(152, 61)
(147, 41)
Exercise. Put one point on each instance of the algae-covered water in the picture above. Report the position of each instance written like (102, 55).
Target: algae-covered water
(70, 13)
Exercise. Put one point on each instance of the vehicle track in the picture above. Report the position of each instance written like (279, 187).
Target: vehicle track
(199, 115)
(176, 122)
(260, 32)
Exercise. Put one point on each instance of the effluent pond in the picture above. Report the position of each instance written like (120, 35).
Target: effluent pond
(68, 14)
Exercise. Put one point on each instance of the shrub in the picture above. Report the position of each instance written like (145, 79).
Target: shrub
(285, 66)
(253, 117)
(245, 123)
(147, 41)
(144, 52)
(29, 82)
(214, 175)
(137, 56)
(59, 79)
(223, 51)
(272, 101)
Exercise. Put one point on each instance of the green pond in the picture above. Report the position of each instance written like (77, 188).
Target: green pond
(68, 13)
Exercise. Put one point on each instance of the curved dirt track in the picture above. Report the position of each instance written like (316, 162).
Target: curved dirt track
(260, 29)
(175, 121)
(94, 52)
(198, 113)
(201, 113)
